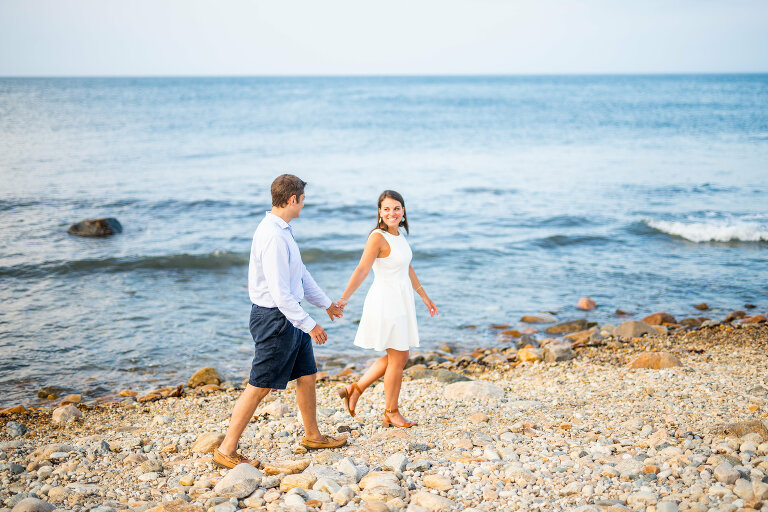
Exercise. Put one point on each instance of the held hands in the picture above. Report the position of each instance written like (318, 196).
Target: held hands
(335, 310)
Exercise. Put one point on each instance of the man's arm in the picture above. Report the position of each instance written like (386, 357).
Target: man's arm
(274, 261)
(312, 291)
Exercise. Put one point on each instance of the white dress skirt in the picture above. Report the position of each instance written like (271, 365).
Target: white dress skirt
(389, 312)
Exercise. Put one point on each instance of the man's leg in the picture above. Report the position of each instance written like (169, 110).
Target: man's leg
(241, 414)
(307, 401)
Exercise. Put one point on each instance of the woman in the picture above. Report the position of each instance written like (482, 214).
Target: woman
(389, 316)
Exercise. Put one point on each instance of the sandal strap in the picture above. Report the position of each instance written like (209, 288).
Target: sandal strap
(356, 388)
(391, 411)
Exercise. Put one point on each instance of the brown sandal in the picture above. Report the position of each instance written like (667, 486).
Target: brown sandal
(386, 422)
(327, 442)
(345, 394)
(230, 461)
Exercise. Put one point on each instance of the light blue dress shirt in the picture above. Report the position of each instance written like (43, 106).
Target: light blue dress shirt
(278, 278)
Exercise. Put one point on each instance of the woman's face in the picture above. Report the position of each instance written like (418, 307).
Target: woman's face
(391, 212)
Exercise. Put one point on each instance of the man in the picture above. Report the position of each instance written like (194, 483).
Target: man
(281, 329)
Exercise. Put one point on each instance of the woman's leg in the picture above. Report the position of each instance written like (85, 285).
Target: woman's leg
(371, 375)
(393, 380)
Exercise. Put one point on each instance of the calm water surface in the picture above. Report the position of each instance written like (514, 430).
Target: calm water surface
(524, 193)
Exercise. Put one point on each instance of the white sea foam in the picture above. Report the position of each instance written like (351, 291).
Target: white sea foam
(713, 231)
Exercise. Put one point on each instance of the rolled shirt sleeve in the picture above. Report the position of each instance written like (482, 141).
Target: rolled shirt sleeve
(275, 262)
(312, 292)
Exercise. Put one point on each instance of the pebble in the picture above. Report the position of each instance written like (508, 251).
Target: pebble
(15, 429)
(66, 414)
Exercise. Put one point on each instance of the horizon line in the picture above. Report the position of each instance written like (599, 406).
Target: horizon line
(398, 75)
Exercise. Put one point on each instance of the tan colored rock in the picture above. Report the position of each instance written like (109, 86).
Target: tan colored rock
(203, 376)
(655, 361)
(757, 319)
(581, 337)
(207, 442)
(16, 409)
(473, 389)
(66, 414)
(742, 428)
(659, 319)
(209, 388)
(478, 417)
(288, 467)
(128, 393)
(302, 480)
(439, 482)
(530, 355)
(378, 478)
(538, 319)
(511, 333)
(634, 329)
(566, 327)
(586, 304)
(702, 307)
(177, 506)
(432, 502)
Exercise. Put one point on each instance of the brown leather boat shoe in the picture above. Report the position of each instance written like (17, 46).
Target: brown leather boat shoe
(230, 461)
(327, 442)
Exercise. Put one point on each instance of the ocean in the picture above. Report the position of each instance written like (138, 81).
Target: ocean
(524, 193)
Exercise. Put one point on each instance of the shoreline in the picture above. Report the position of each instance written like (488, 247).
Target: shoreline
(579, 333)
(587, 433)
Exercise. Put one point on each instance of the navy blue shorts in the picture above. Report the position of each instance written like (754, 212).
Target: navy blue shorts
(282, 352)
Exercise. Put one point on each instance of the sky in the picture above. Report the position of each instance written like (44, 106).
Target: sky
(397, 37)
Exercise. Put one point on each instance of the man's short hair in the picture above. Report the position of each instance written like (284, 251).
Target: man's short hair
(285, 186)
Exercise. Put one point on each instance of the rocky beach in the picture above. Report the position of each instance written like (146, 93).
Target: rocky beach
(654, 415)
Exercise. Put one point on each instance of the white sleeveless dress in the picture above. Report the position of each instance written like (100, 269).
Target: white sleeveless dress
(389, 313)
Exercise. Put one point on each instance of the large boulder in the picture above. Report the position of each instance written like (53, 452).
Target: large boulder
(634, 329)
(566, 327)
(96, 227)
(655, 361)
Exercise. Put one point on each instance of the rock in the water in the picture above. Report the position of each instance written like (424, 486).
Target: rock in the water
(536, 319)
(655, 361)
(49, 392)
(240, 482)
(207, 442)
(96, 227)
(659, 318)
(566, 327)
(473, 389)
(432, 502)
(702, 307)
(634, 329)
(530, 355)
(586, 304)
(33, 505)
(742, 428)
(66, 414)
(558, 352)
(203, 376)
